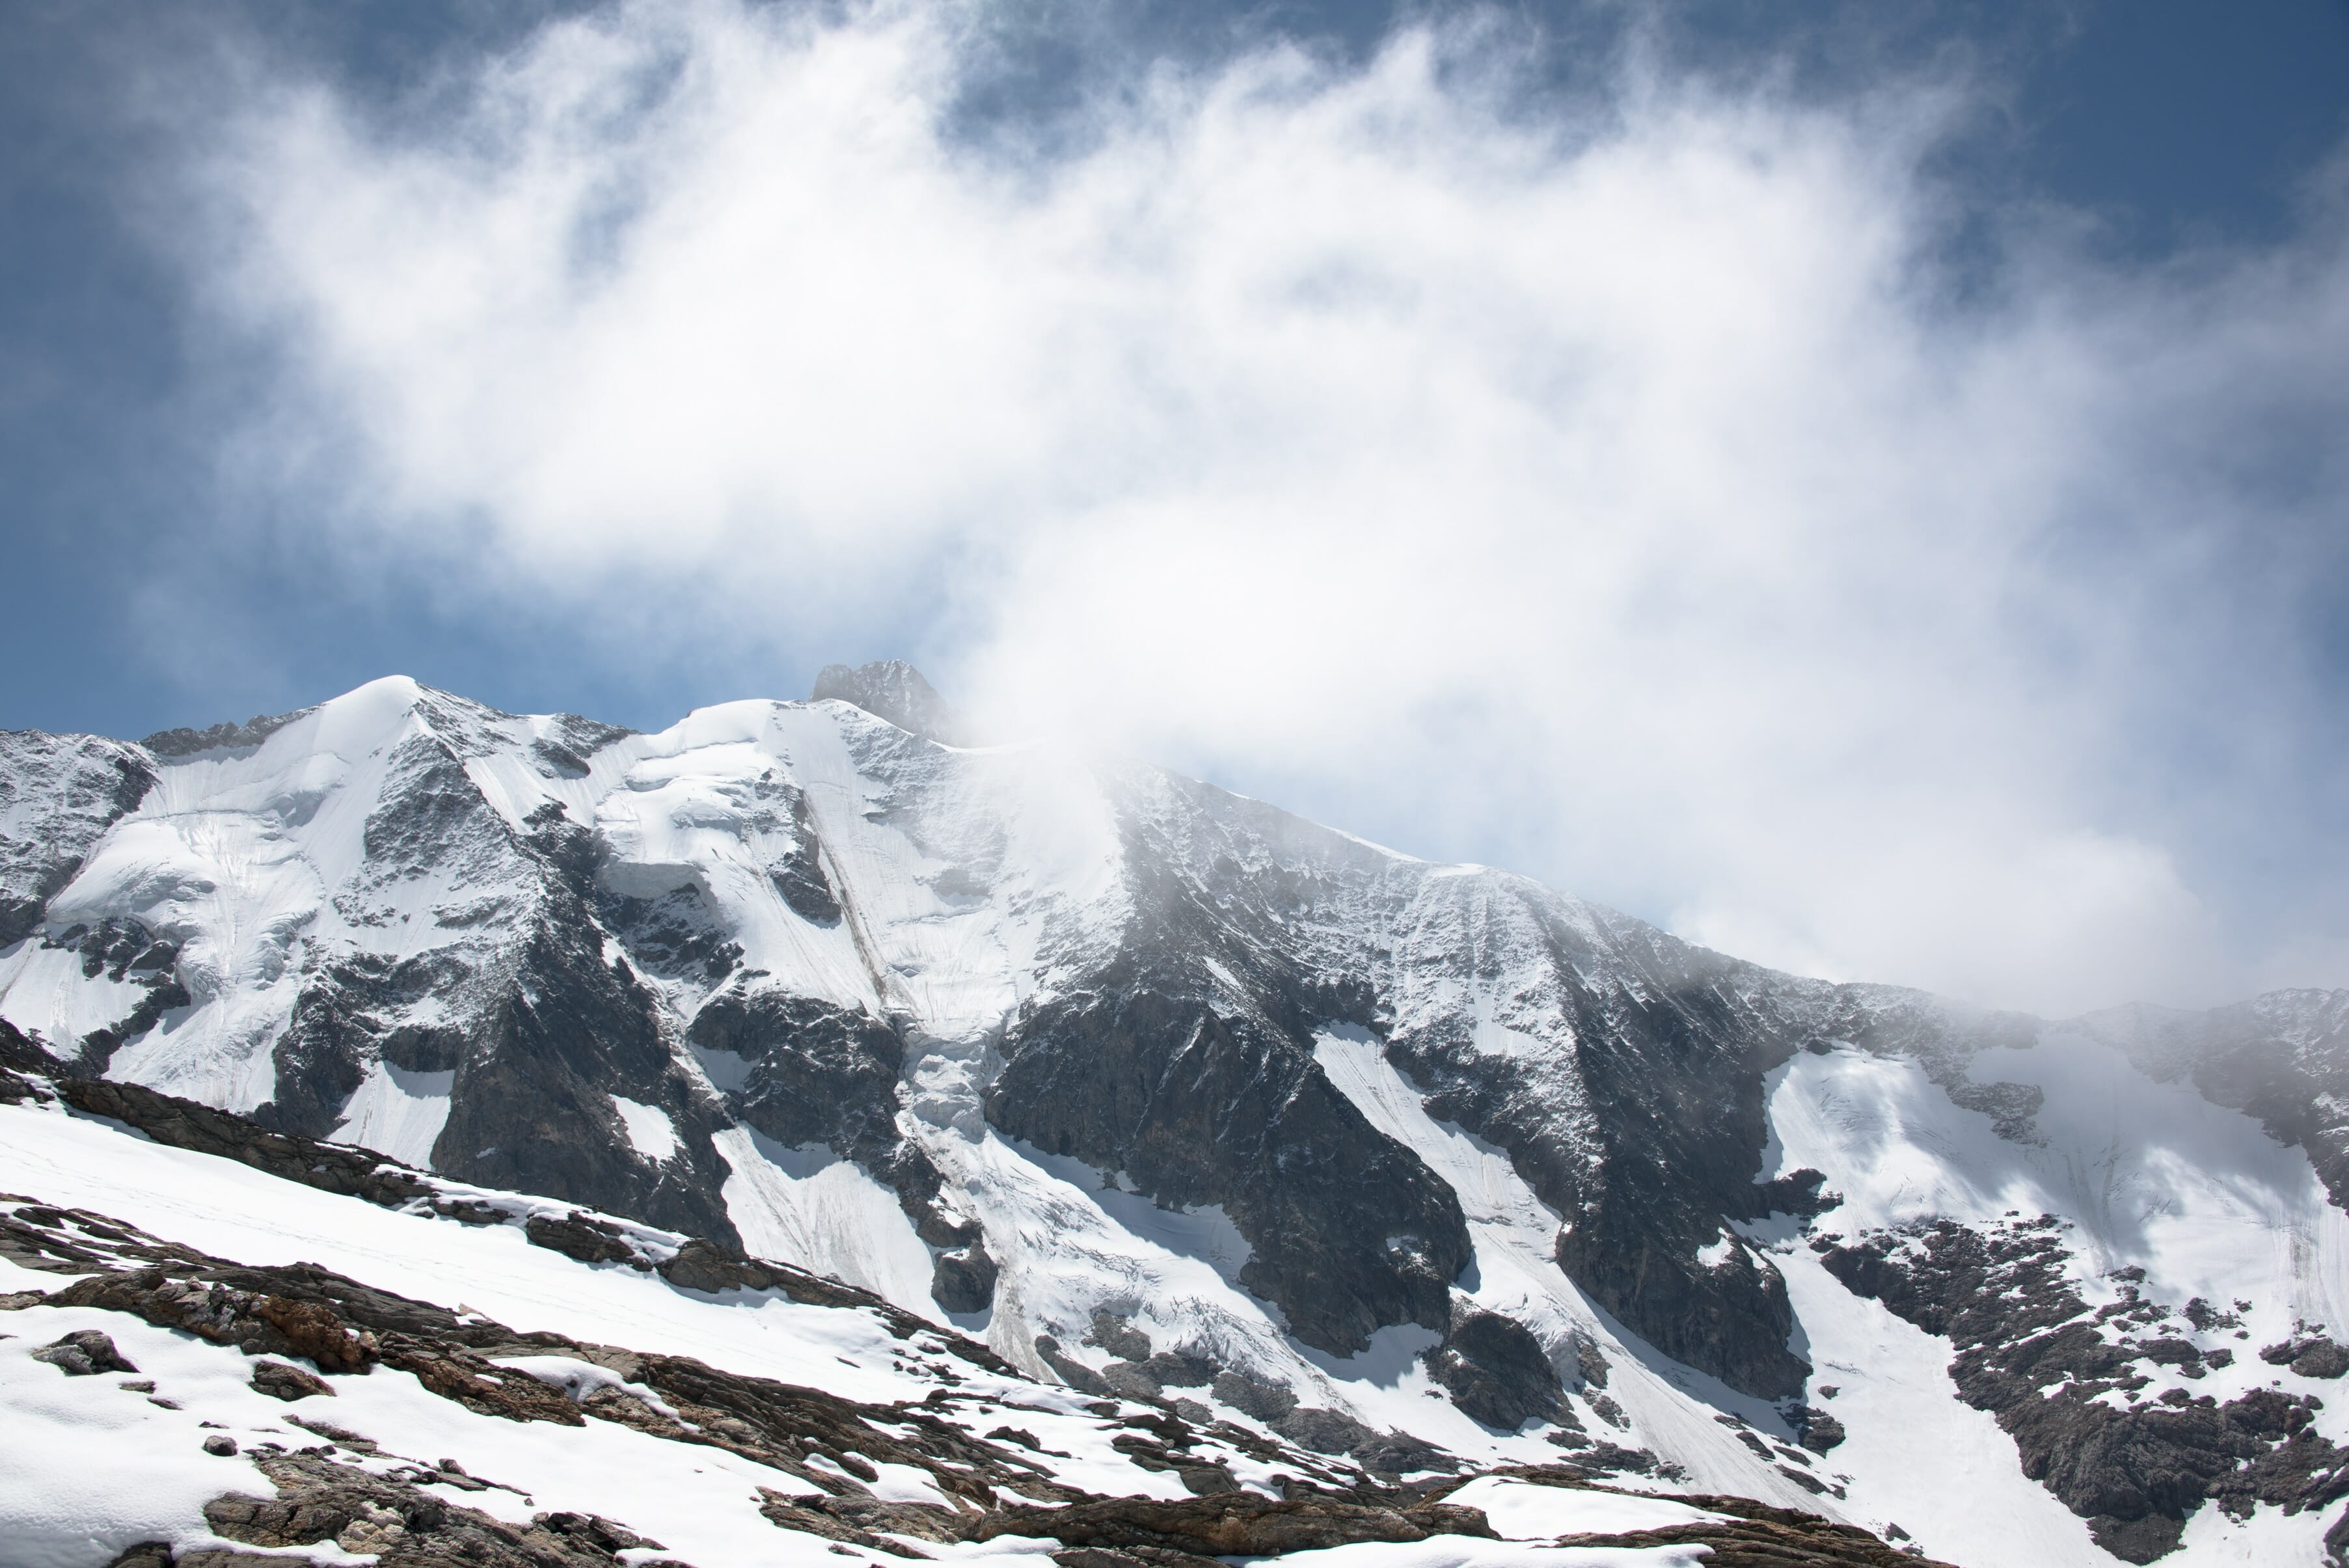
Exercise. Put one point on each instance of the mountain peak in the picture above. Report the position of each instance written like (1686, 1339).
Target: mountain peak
(896, 691)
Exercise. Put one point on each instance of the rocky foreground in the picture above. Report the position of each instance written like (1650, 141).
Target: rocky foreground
(306, 1335)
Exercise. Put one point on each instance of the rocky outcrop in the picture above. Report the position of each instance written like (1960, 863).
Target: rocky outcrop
(321, 1500)
(816, 1073)
(185, 1124)
(2030, 1351)
(84, 1354)
(896, 691)
(1236, 1525)
(1496, 1371)
(1148, 1071)
(58, 795)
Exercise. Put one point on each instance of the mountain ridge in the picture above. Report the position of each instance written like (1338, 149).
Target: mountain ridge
(1029, 1040)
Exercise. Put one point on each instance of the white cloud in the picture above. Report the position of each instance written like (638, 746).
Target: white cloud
(1613, 489)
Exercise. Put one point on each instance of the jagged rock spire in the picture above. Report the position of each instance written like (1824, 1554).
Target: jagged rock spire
(896, 691)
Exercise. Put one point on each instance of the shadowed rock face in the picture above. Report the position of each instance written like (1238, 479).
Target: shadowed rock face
(816, 1073)
(1496, 1371)
(1143, 1073)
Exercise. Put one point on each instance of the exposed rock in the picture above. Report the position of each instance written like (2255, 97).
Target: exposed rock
(1815, 1428)
(1798, 1193)
(255, 1322)
(1115, 1333)
(1147, 1070)
(185, 1124)
(283, 1380)
(1323, 1431)
(320, 1501)
(1267, 1402)
(1069, 1369)
(2283, 1058)
(964, 1281)
(1398, 1453)
(1495, 1371)
(58, 795)
(185, 742)
(895, 690)
(1231, 1524)
(711, 1266)
(2311, 1355)
(2030, 1351)
(81, 1354)
(580, 1236)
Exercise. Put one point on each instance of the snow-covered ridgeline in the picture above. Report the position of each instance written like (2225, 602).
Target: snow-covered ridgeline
(765, 972)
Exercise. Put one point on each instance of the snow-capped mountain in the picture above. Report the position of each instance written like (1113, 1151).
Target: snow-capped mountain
(1167, 1096)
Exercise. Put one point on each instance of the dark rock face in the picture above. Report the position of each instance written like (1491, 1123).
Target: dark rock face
(58, 795)
(2310, 1356)
(896, 691)
(816, 1073)
(1815, 1428)
(123, 952)
(1496, 1371)
(1266, 1401)
(531, 1108)
(1323, 1431)
(1141, 1072)
(185, 742)
(964, 1281)
(1666, 1092)
(2030, 1351)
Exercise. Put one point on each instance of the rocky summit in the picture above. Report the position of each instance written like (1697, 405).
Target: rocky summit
(820, 1129)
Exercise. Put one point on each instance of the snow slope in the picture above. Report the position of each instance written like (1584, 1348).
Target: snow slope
(1057, 1048)
(95, 1464)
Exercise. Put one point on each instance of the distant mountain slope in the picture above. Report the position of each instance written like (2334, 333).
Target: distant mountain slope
(1159, 1089)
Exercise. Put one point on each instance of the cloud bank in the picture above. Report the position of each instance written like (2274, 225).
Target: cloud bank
(1665, 490)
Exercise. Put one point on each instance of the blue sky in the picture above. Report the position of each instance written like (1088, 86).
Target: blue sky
(1867, 495)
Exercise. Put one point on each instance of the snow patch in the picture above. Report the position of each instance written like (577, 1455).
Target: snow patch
(650, 1132)
(810, 1207)
(1523, 1511)
(397, 1112)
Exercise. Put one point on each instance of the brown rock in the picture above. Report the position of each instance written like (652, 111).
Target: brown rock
(283, 1380)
